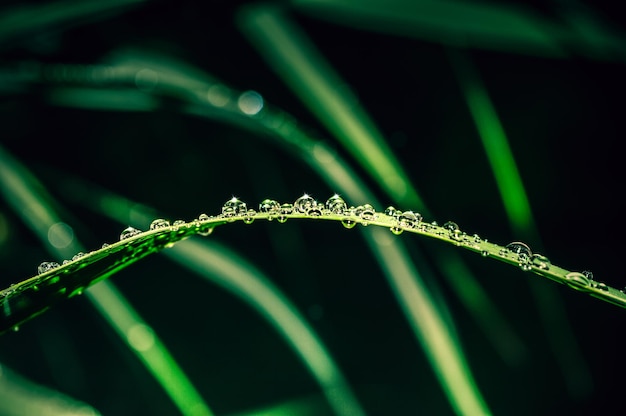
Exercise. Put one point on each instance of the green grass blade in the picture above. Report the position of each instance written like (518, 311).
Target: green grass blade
(31, 202)
(521, 221)
(212, 99)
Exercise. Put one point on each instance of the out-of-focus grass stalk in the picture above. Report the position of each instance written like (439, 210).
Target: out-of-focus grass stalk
(517, 207)
(32, 203)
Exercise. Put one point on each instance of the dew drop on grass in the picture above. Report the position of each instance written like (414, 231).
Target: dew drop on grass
(249, 218)
(177, 224)
(451, 226)
(285, 209)
(484, 253)
(105, 245)
(304, 204)
(540, 261)
(336, 205)
(577, 280)
(159, 223)
(365, 212)
(78, 255)
(409, 219)
(46, 266)
(269, 207)
(391, 211)
(518, 248)
(128, 233)
(234, 207)
(348, 223)
(396, 230)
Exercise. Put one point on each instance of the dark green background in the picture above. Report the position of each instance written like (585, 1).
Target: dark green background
(565, 122)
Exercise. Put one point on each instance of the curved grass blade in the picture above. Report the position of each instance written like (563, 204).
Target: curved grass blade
(24, 300)
(210, 98)
(517, 207)
(21, 302)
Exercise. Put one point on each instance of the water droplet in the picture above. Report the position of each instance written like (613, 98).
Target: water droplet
(525, 265)
(588, 274)
(396, 230)
(477, 238)
(484, 253)
(249, 218)
(66, 261)
(128, 233)
(304, 204)
(105, 245)
(203, 217)
(540, 261)
(15, 328)
(250, 103)
(451, 226)
(577, 280)
(601, 286)
(348, 223)
(336, 205)
(285, 209)
(365, 212)
(409, 219)
(519, 248)
(159, 223)
(234, 207)
(46, 266)
(177, 224)
(205, 232)
(391, 211)
(78, 255)
(270, 207)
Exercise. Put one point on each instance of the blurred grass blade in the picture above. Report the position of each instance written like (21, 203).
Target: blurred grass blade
(497, 26)
(551, 310)
(30, 17)
(19, 396)
(315, 82)
(30, 200)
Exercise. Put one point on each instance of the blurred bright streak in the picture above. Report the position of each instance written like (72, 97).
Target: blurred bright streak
(26, 195)
(101, 99)
(308, 74)
(141, 338)
(517, 206)
(19, 397)
(250, 103)
(441, 349)
(146, 79)
(224, 267)
(16, 20)
(60, 235)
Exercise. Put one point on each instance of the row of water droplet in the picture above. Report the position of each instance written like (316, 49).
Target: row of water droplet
(337, 206)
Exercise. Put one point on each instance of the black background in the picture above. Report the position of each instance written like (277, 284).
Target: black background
(563, 117)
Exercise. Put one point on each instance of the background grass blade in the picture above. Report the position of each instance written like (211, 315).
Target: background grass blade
(517, 207)
(29, 199)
